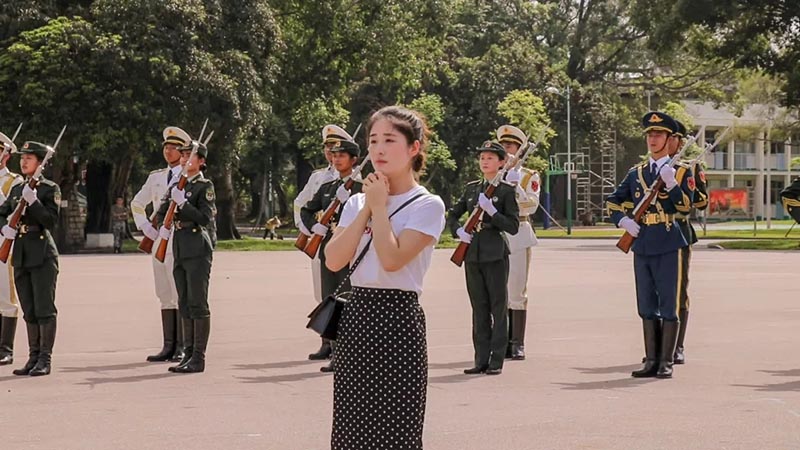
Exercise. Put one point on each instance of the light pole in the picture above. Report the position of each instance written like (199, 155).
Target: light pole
(568, 165)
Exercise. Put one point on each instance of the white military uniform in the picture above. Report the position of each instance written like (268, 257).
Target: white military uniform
(9, 304)
(154, 192)
(519, 261)
(330, 134)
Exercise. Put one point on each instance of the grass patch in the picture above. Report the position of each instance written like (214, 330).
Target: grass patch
(761, 244)
(251, 244)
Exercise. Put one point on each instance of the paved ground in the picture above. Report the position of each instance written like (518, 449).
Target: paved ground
(740, 390)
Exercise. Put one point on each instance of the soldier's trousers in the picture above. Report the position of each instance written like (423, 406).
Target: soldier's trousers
(658, 280)
(316, 278)
(164, 279)
(9, 305)
(191, 278)
(331, 280)
(36, 288)
(519, 266)
(487, 285)
(118, 228)
(684, 297)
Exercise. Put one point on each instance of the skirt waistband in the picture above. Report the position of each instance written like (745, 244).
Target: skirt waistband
(381, 292)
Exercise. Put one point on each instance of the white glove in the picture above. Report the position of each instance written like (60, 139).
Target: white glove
(342, 194)
(319, 229)
(163, 233)
(486, 204)
(29, 195)
(667, 174)
(149, 230)
(463, 236)
(8, 232)
(630, 226)
(513, 176)
(178, 196)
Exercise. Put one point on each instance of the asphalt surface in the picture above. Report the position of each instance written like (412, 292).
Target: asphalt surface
(740, 388)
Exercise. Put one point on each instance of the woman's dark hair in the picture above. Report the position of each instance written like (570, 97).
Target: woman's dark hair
(410, 124)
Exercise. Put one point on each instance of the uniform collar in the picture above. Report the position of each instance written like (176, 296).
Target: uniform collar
(175, 170)
(199, 175)
(660, 162)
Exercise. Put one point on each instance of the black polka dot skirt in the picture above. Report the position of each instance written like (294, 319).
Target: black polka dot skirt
(381, 372)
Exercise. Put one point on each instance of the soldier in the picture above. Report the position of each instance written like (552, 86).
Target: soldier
(192, 247)
(269, 228)
(152, 193)
(659, 244)
(527, 183)
(9, 307)
(119, 220)
(790, 197)
(35, 262)
(486, 262)
(331, 136)
(345, 156)
(700, 201)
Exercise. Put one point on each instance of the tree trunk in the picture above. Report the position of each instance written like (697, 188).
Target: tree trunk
(283, 204)
(98, 182)
(226, 205)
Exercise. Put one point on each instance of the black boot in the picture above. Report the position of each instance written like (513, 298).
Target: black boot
(329, 367)
(168, 320)
(8, 328)
(197, 363)
(180, 342)
(668, 339)
(650, 367)
(475, 370)
(47, 331)
(187, 326)
(683, 316)
(658, 340)
(518, 321)
(34, 344)
(324, 351)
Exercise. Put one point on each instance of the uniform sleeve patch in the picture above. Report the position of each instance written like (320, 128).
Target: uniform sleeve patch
(703, 177)
(690, 182)
(210, 194)
(534, 185)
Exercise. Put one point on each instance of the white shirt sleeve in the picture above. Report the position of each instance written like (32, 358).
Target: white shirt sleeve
(427, 216)
(140, 202)
(351, 209)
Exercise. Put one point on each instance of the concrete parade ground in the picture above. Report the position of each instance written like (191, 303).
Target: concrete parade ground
(740, 388)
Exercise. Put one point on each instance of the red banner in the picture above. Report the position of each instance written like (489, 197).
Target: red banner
(728, 203)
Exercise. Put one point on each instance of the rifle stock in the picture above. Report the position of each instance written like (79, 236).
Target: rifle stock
(5, 249)
(301, 241)
(626, 241)
(474, 219)
(313, 245)
(147, 244)
(161, 252)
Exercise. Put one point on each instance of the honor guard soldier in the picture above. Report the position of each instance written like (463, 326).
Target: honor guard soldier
(9, 306)
(192, 241)
(659, 243)
(527, 184)
(152, 193)
(35, 258)
(486, 261)
(331, 136)
(345, 156)
(700, 202)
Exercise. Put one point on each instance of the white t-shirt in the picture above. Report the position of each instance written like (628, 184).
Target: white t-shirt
(425, 214)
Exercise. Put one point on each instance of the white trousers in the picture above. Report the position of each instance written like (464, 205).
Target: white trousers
(166, 291)
(9, 303)
(519, 266)
(316, 278)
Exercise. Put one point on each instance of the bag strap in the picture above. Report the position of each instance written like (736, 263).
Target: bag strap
(366, 247)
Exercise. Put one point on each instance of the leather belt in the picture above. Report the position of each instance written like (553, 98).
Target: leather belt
(185, 224)
(24, 229)
(657, 218)
(523, 218)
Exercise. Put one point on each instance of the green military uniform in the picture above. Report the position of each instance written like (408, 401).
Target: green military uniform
(486, 269)
(35, 261)
(309, 214)
(790, 197)
(193, 243)
(697, 181)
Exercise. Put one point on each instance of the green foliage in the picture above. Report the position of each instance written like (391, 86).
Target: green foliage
(527, 111)
(311, 117)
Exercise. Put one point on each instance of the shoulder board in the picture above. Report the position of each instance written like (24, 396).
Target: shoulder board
(474, 182)
(164, 169)
(46, 182)
(683, 164)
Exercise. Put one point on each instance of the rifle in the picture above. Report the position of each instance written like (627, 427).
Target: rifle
(161, 252)
(313, 247)
(472, 222)
(301, 243)
(625, 242)
(19, 211)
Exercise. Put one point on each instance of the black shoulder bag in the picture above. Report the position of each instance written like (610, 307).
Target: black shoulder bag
(324, 319)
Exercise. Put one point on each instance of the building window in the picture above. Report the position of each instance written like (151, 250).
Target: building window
(744, 156)
(777, 158)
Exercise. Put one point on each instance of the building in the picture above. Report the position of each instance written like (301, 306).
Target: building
(754, 170)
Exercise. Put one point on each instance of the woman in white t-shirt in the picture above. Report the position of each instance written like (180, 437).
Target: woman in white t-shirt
(381, 367)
